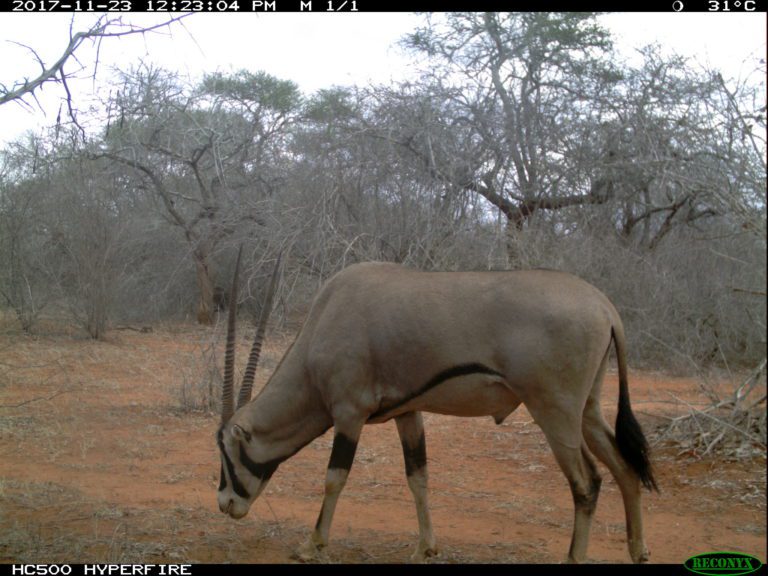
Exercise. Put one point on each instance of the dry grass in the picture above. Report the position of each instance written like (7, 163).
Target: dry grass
(107, 457)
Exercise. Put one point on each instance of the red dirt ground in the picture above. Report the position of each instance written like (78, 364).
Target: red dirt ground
(102, 462)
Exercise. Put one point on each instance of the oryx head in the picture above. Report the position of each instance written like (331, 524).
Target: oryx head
(244, 474)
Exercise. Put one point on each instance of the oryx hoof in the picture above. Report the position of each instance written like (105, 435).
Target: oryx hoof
(422, 554)
(643, 557)
(310, 551)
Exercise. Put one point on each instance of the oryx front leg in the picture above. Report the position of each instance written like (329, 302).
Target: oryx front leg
(411, 429)
(342, 455)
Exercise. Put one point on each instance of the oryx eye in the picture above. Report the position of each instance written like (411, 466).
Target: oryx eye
(240, 433)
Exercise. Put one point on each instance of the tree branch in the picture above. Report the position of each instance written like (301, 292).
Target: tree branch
(101, 29)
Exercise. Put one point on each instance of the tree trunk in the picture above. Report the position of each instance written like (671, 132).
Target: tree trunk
(515, 250)
(205, 306)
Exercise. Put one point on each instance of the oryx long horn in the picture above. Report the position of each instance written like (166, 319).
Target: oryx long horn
(227, 408)
(253, 358)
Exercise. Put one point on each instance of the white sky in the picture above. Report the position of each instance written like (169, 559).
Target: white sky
(319, 50)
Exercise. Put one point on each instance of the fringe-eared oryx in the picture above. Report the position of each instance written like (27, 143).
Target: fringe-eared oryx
(385, 342)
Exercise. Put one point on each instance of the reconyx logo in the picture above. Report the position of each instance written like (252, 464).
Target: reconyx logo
(722, 563)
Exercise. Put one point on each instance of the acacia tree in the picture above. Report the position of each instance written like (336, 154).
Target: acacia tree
(209, 155)
(513, 86)
(358, 196)
(677, 152)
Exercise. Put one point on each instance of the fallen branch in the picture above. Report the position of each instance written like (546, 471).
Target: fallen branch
(752, 292)
(51, 397)
(719, 420)
(749, 384)
(142, 329)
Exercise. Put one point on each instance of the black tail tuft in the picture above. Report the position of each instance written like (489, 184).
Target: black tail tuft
(633, 446)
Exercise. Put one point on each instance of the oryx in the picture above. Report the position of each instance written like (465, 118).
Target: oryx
(385, 342)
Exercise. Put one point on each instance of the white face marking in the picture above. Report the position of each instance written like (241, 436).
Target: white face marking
(239, 486)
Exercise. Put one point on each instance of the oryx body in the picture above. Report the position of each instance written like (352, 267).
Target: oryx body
(382, 341)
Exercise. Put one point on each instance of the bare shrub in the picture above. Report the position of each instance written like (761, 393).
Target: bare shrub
(197, 389)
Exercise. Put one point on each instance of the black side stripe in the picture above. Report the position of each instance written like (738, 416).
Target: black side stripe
(454, 372)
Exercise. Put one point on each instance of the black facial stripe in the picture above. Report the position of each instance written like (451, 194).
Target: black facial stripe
(262, 471)
(265, 470)
(222, 479)
(236, 484)
(454, 372)
(343, 452)
(415, 456)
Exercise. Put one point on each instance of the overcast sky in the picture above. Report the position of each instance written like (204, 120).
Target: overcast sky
(320, 50)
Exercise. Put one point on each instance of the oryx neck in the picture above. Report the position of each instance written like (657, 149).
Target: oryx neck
(287, 414)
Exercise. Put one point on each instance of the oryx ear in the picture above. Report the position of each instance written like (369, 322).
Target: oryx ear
(240, 434)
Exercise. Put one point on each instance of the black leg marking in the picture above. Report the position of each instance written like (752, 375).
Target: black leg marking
(586, 499)
(343, 452)
(415, 456)
(595, 481)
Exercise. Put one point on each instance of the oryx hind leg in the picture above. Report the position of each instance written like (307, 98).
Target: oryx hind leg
(562, 427)
(410, 426)
(345, 441)
(602, 443)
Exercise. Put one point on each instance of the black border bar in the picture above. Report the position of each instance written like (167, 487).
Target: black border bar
(330, 6)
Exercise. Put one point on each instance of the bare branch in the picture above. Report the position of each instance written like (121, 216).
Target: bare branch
(101, 29)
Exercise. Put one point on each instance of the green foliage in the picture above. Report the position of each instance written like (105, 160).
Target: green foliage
(331, 105)
(253, 90)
